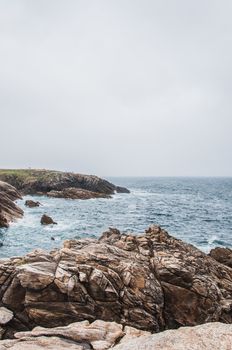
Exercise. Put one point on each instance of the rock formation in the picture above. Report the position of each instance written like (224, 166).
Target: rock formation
(222, 255)
(43, 181)
(32, 204)
(98, 335)
(151, 282)
(9, 211)
(101, 335)
(210, 336)
(76, 193)
(47, 220)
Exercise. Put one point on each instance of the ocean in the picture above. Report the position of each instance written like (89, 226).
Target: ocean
(196, 210)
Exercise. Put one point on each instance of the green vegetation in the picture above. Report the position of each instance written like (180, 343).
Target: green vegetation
(18, 177)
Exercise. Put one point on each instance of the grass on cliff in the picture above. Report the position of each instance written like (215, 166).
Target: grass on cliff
(27, 174)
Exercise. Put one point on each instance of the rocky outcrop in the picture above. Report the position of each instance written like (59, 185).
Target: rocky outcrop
(151, 282)
(101, 335)
(47, 220)
(9, 211)
(210, 336)
(98, 335)
(32, 204)
(222, 255)
(43, 181)
(76, 193)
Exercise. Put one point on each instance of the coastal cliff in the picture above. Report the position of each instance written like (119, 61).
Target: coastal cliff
(150, 282)
(59, 184)
(9, 211)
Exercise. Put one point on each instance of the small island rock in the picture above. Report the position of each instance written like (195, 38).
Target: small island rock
(47, 220)
(32, 204)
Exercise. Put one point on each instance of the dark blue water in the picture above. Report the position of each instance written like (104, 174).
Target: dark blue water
(197, 210)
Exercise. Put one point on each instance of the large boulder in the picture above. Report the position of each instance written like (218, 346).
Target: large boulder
(151, 282)
(9, 211)
(222, 255)
(47, 220)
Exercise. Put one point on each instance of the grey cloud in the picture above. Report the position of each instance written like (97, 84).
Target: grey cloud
(116, 87)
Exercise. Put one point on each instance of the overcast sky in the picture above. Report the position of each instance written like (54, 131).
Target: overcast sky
(117, 87)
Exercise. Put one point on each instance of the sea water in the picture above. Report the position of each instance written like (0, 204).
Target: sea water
(196, 210)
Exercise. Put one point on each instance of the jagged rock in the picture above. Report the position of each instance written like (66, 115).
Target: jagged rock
(9, 211)
(120, 189)
(151, 282)
(32, 204)
(76, 193)
(31, 181)
(5, 315)
(210, 336)
(47, 220)
(222, 255)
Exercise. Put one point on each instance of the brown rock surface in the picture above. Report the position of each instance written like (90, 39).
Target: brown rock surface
(222, 255)
(32, 181)
(9, 211)
(32, 204)
(76, 193)
(150, 282)
(47, 220)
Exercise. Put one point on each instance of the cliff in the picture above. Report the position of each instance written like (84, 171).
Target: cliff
(30, 181)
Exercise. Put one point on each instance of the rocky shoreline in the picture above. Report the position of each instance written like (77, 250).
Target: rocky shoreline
(151, 282)
(16, 183)
(122, 291)
(59, 184)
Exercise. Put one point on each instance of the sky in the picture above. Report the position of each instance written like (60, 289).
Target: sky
(117, 87)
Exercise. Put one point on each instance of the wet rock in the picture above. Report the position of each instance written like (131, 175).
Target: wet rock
(47, 220)
(222, 255)
(32, 204)
(9, 211)
(120, 189)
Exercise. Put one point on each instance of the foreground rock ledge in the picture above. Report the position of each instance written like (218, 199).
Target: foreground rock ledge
(151, 282)
(102, 335)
